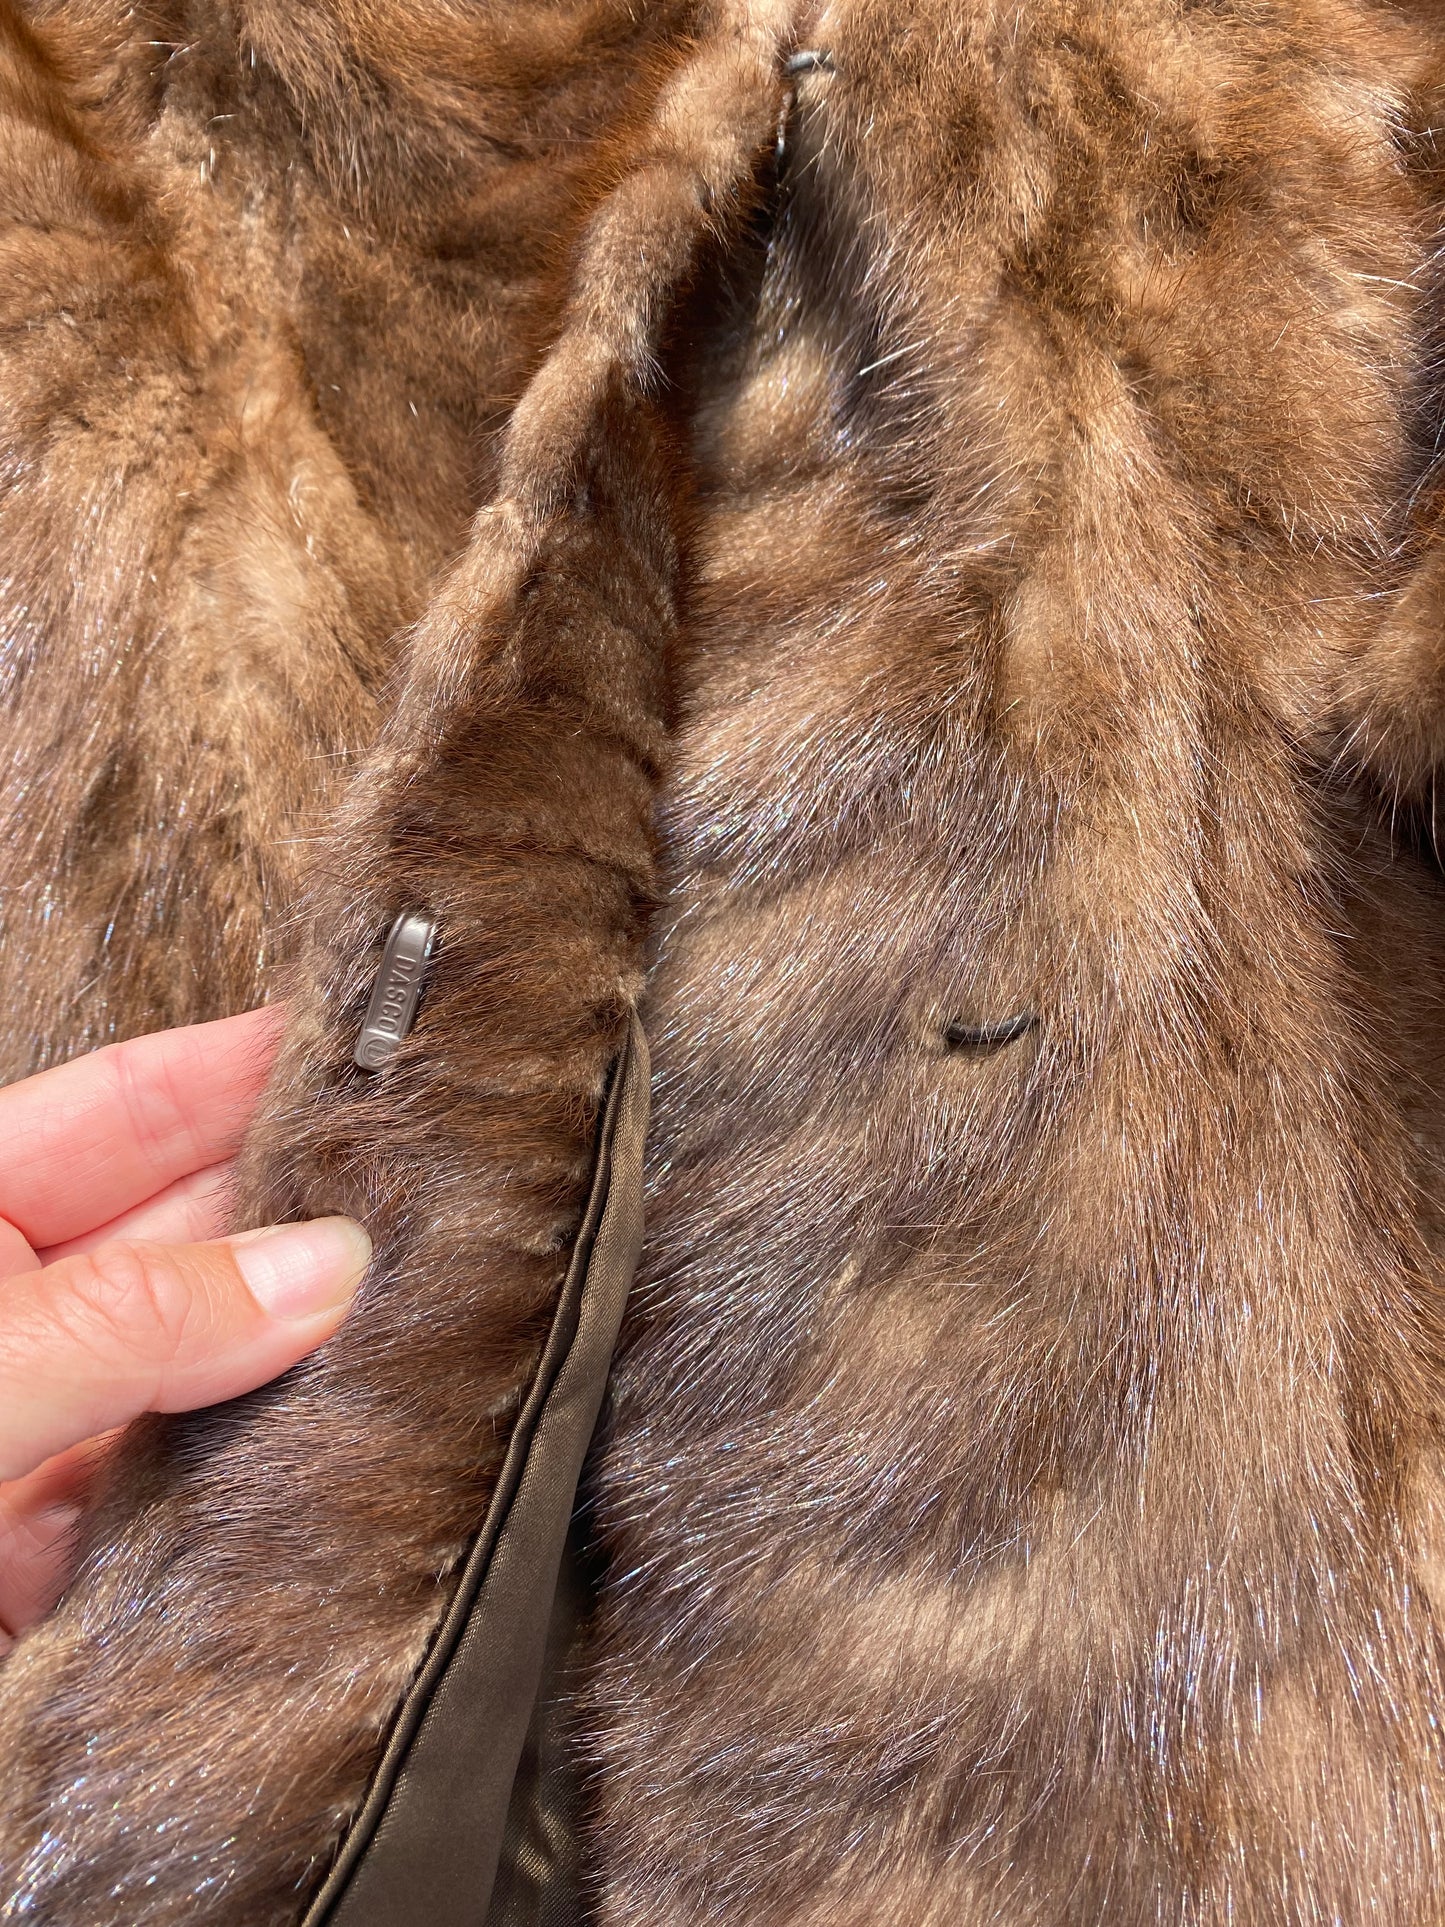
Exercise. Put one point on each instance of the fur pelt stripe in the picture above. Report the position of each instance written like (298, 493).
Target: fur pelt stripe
(1023, 1493)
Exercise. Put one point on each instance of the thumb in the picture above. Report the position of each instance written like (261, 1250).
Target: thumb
(95, 1340)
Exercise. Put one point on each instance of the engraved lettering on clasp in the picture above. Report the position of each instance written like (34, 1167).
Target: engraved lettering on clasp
(392, 1009)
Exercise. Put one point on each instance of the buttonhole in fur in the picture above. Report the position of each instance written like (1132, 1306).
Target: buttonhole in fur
(978, 1038)
(811, 60)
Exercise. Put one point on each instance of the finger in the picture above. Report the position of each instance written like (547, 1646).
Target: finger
(99, 1338)
(95, 1137)
(37, 1519)
(62, 1480)
(36, 1550)
(187, 1212)
(15, 1252)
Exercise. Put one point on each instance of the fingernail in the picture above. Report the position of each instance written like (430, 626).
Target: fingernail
(297, 1270)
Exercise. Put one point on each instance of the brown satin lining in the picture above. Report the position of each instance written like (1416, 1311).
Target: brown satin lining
(539, 1876)
(424, 1848)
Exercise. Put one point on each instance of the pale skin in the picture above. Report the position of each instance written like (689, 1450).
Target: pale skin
(118, 1293)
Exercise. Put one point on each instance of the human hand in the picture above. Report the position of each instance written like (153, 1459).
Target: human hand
(116, 1295)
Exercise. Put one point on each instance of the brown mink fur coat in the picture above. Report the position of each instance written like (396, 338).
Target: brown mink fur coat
(905, 541)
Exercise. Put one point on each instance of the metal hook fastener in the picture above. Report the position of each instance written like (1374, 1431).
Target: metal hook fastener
(392, 1010)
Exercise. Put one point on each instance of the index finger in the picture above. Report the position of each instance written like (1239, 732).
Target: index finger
(90, 1139)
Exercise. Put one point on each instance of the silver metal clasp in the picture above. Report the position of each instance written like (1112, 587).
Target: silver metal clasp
(392, 1009)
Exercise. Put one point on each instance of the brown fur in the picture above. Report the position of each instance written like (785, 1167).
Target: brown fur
(1021, 1495)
